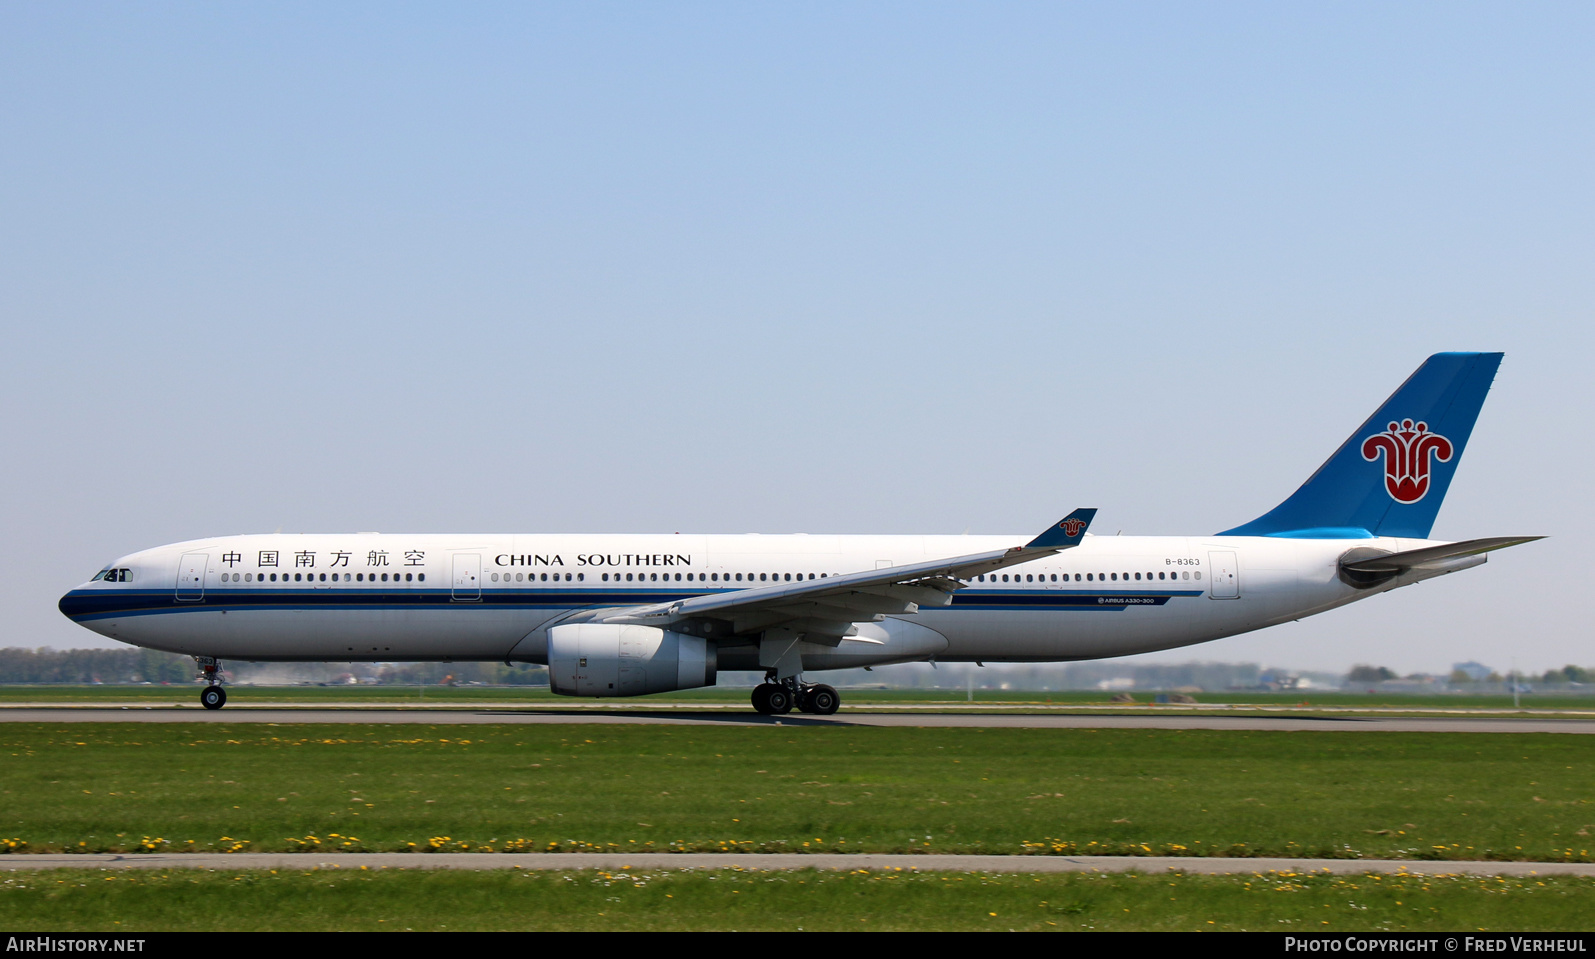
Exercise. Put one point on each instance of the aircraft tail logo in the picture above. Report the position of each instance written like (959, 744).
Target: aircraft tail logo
(1071, 527)
(1408, 449)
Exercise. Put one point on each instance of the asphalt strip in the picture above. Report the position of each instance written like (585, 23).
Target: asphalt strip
(781, 861)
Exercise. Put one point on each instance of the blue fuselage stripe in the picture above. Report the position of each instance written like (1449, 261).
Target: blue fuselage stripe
(92, 604)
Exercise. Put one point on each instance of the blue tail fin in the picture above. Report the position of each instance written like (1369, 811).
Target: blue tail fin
(1389, 478)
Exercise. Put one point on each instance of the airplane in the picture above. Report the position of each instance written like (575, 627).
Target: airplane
(628, 615)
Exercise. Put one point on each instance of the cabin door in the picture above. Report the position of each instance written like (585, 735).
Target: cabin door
(1225, 575)
(191, 577)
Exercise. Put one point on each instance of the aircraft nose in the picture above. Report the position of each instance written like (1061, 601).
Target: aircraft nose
(75, 603)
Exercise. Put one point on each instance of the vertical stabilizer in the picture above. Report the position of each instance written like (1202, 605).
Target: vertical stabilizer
(1389, 477)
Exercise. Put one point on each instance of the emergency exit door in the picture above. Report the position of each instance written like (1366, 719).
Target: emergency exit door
(467, 577)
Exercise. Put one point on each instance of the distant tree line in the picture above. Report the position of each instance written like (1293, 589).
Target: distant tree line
(432, 674)
(1364, 674)
(1568, 674)
(87, 666)
(45, 665)
(1087, 675)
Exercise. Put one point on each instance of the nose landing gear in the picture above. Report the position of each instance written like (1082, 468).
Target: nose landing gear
(213, 696)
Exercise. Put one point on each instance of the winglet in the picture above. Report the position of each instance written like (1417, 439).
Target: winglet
(1066, 532)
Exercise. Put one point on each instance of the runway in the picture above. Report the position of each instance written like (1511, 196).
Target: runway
(700, 717)
(774, 861)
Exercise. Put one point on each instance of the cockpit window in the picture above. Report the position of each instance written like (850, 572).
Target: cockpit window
(122, 575)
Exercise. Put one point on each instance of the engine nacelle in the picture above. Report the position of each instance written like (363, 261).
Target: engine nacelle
(600, 659)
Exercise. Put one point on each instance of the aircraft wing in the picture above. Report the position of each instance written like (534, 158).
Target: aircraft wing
(824, 610)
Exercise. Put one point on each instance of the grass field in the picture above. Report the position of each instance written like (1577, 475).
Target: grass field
(854, 698)
(134, 900)
(210, 786)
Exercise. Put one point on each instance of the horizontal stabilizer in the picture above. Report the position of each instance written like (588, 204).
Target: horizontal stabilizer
(1397, 562)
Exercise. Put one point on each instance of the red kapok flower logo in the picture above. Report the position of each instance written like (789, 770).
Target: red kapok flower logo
(1408, 449)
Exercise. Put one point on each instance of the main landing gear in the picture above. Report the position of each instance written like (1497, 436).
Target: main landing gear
(777, 699)
(213, 696)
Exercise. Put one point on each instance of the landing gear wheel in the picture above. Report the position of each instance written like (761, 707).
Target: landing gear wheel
(761, 698)
(779, 699)
(214, 697)
(772, 700)
(821, 700)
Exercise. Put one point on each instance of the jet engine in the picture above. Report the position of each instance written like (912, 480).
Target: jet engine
(602, 659)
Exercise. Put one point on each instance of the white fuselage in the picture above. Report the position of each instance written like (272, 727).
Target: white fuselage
(370, 596)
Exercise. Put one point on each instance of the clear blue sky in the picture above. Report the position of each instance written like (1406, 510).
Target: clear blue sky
(886, 267)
